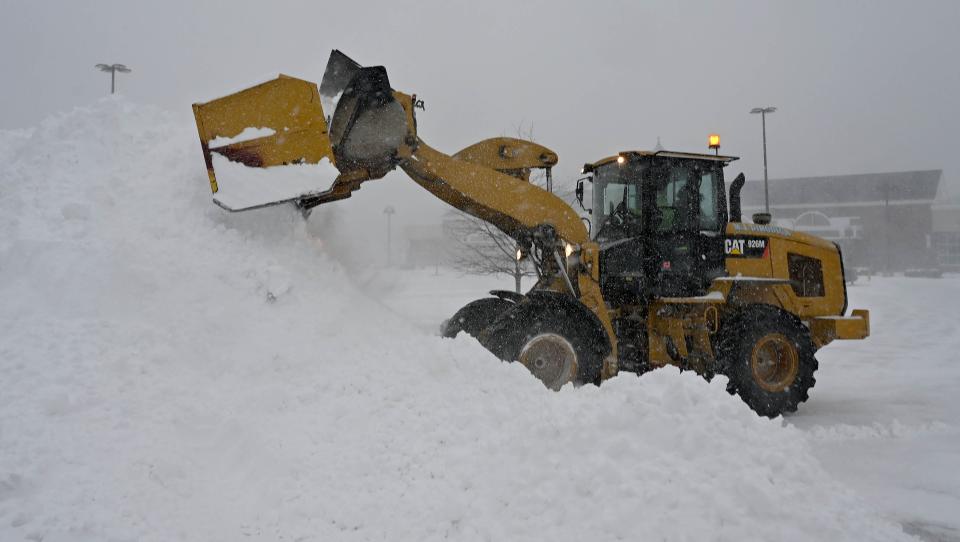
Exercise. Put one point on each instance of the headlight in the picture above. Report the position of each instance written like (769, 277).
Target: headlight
(573, 257)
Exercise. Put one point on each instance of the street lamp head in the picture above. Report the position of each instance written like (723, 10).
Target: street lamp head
(763, 110)
(113, 68)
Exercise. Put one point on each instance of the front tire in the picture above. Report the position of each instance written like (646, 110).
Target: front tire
(557, 351)
(769, 358)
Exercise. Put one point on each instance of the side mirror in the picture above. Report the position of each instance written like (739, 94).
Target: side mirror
(579, 193)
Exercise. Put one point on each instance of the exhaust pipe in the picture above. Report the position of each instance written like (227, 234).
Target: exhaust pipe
(735, 187)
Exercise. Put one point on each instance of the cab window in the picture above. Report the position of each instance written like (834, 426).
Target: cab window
(709, 215)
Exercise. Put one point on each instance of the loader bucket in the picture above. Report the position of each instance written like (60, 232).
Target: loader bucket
(270, 143)
(266, 144)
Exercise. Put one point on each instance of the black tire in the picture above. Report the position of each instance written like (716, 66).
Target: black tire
(769, 358)
(546, 331)
(475, 316)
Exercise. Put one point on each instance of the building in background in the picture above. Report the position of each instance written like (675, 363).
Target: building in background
(880, 220)
(946, 234)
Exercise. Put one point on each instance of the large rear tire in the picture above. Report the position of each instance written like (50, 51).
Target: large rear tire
(769, 358)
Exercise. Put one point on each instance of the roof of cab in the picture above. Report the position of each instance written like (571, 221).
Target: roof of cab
(667, 154)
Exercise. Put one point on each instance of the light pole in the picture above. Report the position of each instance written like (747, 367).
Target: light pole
(389, 211)
(763, 116)
(887, 191)
(113, 69)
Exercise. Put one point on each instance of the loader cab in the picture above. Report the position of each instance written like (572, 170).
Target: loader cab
(660, 219)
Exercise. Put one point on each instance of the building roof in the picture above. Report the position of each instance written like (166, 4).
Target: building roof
(843, 190)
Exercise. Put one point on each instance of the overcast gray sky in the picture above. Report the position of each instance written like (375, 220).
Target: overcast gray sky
(860, 86)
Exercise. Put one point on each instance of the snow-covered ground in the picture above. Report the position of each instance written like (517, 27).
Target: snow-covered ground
(174, 372)
(883, 416)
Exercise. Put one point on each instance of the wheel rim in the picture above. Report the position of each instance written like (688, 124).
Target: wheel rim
(774, 362)
(551, 358)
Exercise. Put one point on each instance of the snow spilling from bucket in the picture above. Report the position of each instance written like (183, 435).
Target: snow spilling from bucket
(241, 187)
(249, 133)
(175, 372)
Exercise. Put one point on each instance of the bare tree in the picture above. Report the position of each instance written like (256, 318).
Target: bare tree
(480, 248)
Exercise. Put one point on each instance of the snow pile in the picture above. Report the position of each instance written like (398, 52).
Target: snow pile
(174, 372)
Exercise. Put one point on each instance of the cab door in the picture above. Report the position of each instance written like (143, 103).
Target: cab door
(685, 231)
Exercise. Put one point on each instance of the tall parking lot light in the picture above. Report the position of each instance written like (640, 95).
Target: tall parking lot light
(763, 116)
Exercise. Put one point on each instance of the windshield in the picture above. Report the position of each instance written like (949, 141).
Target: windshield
(616, 192)
(682, 191)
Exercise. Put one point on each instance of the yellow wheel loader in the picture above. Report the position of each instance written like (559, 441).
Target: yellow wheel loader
(669, 275)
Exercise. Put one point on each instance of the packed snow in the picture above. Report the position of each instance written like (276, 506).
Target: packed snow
(172, 371)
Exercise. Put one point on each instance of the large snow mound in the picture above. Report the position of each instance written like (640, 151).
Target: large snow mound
(174, 372)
